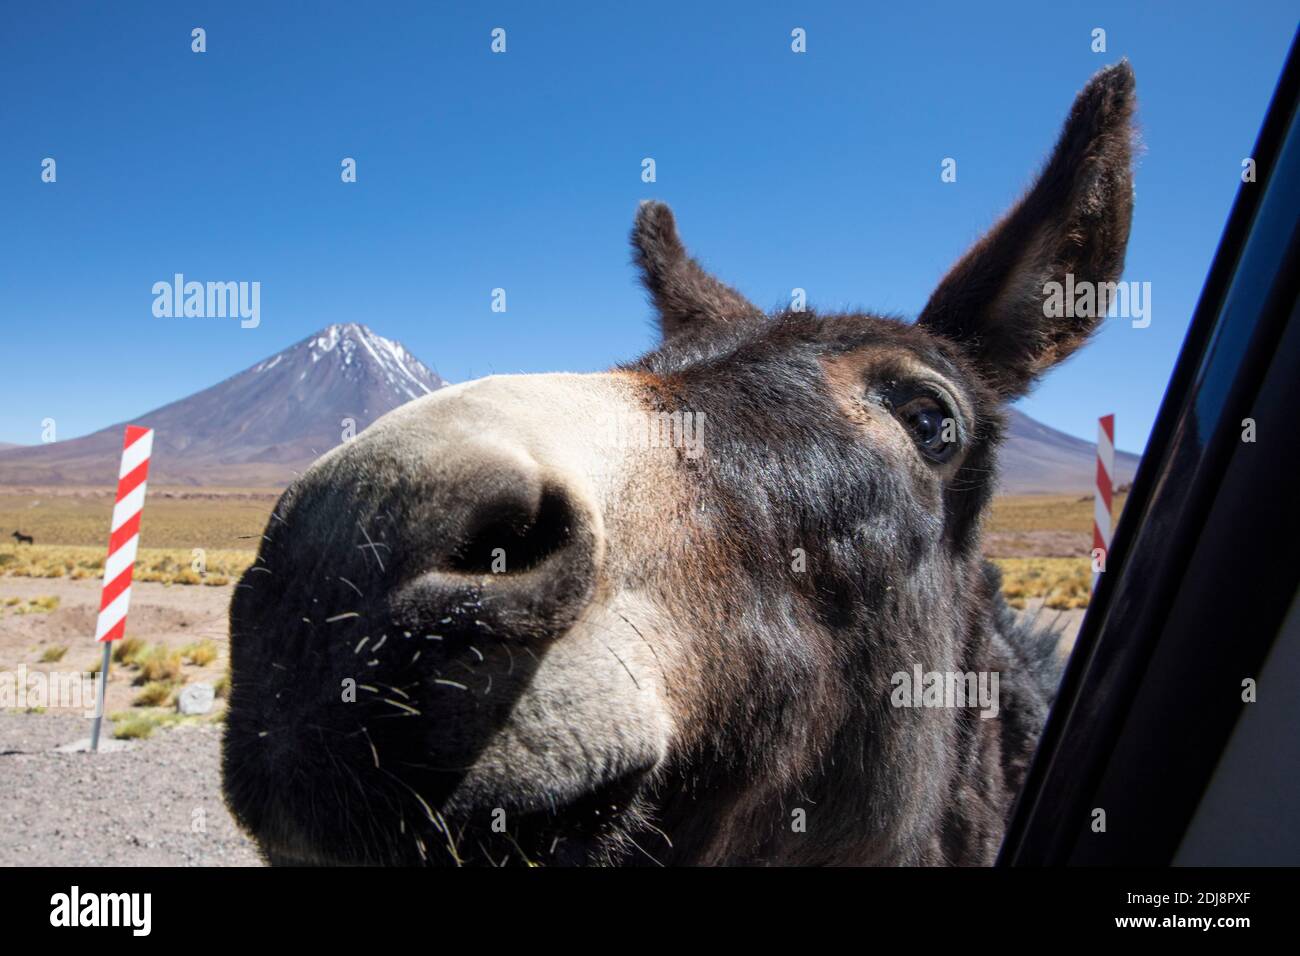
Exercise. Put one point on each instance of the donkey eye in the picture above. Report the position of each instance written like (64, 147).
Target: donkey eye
(931, 425)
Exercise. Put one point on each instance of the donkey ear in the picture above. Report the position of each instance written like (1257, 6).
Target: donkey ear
(1075, 220)
(686, 296)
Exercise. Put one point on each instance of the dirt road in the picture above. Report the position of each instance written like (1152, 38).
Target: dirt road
(155, 802)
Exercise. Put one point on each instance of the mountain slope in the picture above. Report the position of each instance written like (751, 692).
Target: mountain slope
(258, 427)
(1036, 457)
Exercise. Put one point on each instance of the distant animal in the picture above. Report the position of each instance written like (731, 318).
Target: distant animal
(550, 619)
(21, 538)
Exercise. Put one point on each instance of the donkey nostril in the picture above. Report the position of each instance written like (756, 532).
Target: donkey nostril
(510, 536)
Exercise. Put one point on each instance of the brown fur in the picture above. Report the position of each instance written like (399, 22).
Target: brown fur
(657, 678)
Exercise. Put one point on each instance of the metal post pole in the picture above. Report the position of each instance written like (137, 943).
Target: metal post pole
(103, 694)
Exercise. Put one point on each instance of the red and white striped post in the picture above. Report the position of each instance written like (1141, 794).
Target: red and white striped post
(1104, 493)
(123, 542)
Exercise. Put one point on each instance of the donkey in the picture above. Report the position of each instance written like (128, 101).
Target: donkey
(487, 632)
(20, 538)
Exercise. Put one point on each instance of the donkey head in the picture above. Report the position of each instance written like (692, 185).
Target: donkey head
(653, 614)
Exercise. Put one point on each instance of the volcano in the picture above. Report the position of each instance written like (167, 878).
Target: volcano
(258, 428)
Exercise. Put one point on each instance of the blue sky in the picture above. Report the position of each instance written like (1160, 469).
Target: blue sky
(523, 170)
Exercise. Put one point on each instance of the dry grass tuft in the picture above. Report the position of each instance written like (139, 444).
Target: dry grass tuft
(154, 694)
(1063, 583)
(134, 728)
(36, 605)
(158, 663)
(201, 654)
(125, 650)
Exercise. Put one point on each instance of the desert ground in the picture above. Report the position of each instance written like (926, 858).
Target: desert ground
(152, 796)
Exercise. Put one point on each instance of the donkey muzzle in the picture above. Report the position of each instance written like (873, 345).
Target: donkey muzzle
(410, 655)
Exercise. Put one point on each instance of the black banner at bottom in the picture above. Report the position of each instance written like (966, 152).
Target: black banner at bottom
(369, 905)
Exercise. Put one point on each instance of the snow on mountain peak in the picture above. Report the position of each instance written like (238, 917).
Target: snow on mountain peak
(351, 344)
